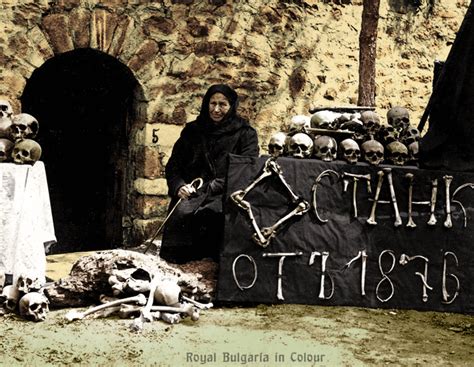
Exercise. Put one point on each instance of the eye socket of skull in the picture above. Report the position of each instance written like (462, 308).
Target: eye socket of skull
(4, 108)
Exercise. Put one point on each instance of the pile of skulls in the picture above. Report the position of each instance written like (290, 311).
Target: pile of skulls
(16, 136)
(352, 137)
(25, 297)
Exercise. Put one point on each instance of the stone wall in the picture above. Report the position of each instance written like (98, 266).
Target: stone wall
(281, 56)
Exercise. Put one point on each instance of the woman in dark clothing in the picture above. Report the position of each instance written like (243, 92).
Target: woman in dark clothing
(195, 229)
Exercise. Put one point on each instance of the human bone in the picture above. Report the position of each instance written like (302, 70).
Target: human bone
(387, 134)
(167, 292)
(300, 146)
(325, 148)
(413, 150)
(398, 117)
(6, 109)
(277, 144)
(201, 306)
(397, 153)
(130, 281)
(324, 119)
(371, 122)
(9, 297)
(26, 151)
(350, 150)
(373, 152)
(24, 126)
(34, 306)
(6, 147)
(298, 124)
(76, 315)
(410, 135)
(26, 284)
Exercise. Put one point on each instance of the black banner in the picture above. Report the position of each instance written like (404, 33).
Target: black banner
(354, 241)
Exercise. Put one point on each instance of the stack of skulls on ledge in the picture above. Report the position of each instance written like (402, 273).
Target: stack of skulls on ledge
(360, 136)
(16, 136)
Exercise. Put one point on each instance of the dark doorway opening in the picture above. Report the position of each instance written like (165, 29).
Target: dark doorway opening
(83, 100)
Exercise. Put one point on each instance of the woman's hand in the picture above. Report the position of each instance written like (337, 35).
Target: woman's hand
(186, 191)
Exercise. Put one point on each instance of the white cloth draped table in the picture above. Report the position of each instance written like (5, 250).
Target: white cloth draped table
(26, 220)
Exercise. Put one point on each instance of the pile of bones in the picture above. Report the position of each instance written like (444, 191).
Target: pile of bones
(17, 134)
(360, 136)
(135, 287)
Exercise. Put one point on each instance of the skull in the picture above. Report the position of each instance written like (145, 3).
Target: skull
(299, 124)
(324, 119)
(6, 109)
(399, 118)
(6, 147)
(9, 297)
(300, 146)
(350, 151)
(34, 306)
(167, 292)
(26, 284)
(373, 152)
(325, 148)
(24, 126)
(410, 135)
(397, 153)
(371, 122)
(26, 152)
(277, 144)
(5, 127)
(413, 153)
(387, 134)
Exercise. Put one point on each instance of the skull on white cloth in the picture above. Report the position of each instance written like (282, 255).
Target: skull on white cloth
(6, 109)
(26, 151)
(6, 147)
(24, 126)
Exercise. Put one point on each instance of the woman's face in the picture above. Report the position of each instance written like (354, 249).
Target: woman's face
(218, 107)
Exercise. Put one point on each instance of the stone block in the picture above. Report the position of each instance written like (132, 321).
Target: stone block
(80, 34)
(57, 29)
(148, 162)
(146, 53)
(147, 186)
(148, 206)
(145, 228)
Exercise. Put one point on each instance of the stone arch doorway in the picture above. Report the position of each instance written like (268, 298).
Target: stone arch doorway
(84, 102)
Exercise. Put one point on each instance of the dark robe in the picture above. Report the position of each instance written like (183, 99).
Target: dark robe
(195, 229)
(449, 142)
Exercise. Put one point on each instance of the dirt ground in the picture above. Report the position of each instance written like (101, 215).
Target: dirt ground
(283, 335)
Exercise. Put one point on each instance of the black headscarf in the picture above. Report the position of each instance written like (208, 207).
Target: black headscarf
(231, 115)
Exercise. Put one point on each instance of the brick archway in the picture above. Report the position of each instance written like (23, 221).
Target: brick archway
(85, 102)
